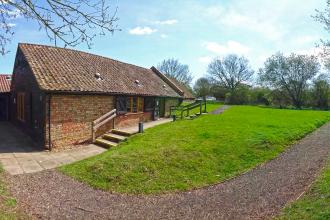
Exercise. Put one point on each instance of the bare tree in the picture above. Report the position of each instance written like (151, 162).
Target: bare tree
(324, 18)
(290, 74)
(202, 87)
(230, 71)
(69, 21)
(173, 68)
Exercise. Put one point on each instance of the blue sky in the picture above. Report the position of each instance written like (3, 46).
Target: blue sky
(195, 32)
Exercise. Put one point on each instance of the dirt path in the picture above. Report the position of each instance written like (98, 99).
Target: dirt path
(220, 110)
(257, 194)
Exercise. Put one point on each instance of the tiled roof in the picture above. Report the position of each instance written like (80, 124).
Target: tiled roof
(66, 70)
(5, 81)
(186, 92)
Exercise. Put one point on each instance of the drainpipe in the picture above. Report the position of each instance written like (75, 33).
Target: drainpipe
(49, 134)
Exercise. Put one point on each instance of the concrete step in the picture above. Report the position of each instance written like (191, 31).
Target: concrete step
(105, 143)
(120, 132)
(114, 137)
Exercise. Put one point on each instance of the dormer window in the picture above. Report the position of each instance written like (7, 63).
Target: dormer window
(8, 77)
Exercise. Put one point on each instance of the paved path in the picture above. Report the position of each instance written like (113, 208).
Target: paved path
(18, 155)
(258, 194)
(220, 110)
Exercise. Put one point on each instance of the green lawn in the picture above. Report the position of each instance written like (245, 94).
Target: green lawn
(315, 204)
(188, 154)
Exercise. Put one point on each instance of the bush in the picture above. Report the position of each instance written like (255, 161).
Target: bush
(238, 97)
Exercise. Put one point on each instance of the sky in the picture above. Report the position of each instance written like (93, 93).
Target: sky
(196, 32)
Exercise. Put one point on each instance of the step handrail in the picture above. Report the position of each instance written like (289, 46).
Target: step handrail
(96, 124)
(192, 106)
(182, 108)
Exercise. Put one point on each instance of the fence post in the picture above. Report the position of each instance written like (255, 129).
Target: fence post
(200, 108)
(93, 133)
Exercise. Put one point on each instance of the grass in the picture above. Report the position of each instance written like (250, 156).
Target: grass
(315, 204)
(8, 204)
(189, 154)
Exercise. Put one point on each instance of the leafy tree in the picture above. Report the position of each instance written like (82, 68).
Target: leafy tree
(279, 98)
(218, 91)
(202, 87)
(69, 21)
(290, 74)
(240, 96)
(173, 68)
(259, 96)
(230, 71)
(321, 91)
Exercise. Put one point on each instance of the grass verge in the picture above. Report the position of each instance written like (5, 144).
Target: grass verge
(189, 154)
(8, 205)
(315, 204)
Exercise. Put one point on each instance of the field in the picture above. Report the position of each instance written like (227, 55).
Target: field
(189, 154)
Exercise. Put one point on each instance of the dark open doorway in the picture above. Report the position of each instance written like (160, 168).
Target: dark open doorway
(4, 98)
(159, 108)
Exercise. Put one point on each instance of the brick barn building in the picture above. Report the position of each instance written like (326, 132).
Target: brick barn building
(5, 81)
(57, 93)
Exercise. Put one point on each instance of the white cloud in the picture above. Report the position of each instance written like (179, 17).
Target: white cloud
(167, 22)
(311, 51)
(228, 48)
(9, 25)
(268, 28)
(164, 36)
(272, 20)
(205, 59)
(142, 31)
(306, 39)
(10, 14)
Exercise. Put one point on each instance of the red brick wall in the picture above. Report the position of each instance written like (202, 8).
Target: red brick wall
(72, 115)
(132, 119)
(71, 118)
(168, 103)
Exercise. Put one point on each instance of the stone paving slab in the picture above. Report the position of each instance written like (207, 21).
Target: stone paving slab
(19, 156)
(30, 162)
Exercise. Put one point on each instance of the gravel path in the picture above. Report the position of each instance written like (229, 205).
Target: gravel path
(257, 194)
(220, 110)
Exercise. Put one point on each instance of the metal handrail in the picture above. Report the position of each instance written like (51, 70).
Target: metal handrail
(103, 120)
